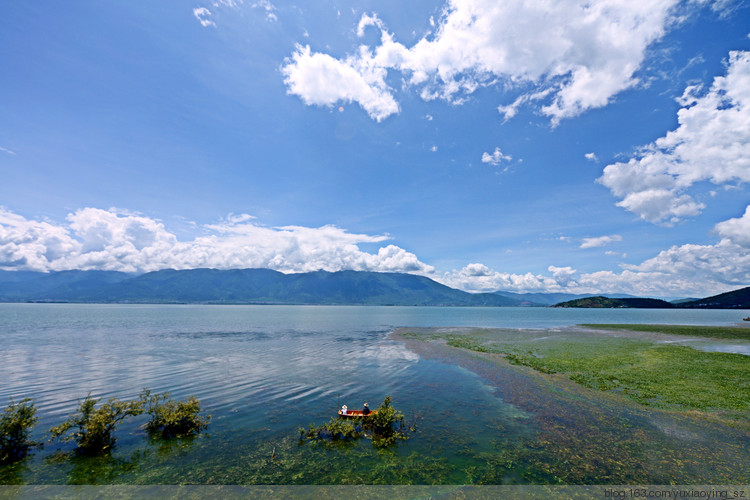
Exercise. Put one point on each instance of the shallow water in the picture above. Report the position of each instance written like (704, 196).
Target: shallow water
(264, 371)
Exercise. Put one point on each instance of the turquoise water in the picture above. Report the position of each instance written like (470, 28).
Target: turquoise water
(264, 371)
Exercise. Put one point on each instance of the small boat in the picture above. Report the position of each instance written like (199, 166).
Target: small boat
(356, 413)
(746, 319)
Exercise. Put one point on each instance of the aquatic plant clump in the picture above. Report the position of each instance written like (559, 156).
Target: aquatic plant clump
(336, 429)
(171, 418)
(15, 425)
(94, 428)
(384, 426)
(387, 425)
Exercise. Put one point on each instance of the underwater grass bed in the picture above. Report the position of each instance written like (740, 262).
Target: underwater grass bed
(665, 376)
(586, 436)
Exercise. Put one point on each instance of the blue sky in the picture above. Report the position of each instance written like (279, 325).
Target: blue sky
(522, 146)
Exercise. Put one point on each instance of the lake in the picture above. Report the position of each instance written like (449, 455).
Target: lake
(264, 371)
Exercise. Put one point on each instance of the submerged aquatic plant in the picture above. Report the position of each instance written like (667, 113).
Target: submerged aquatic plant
(384, 426)
(666, 376)
(15, 425)
(94, 428)
(170, 418)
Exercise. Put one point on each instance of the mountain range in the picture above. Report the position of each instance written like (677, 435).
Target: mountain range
(239, 286)
(265, 286)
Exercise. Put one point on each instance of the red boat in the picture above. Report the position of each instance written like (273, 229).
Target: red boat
(356, 413)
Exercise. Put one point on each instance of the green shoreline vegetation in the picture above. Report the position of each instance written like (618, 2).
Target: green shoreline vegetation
(715, 385)
(716, 332)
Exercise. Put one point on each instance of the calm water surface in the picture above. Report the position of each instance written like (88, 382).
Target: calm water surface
(264, 371)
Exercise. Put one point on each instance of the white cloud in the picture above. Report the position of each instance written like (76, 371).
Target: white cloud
(574, 55)
(600, 241)
(726, 263)
(711, 143)
(322, 80)
(203, 15)
(615, 254)
(495, 158)
(32, 244)
(736, 231)
(9, 151)
(113, 240)
(268, 7)
(562, 275)
(480, 278)
(591, 157)
(366, 21)
(687, 270)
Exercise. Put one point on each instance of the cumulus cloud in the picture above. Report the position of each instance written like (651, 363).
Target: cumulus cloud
(495, 158)
(480, 278)
(29, 244)
(203, 15)
(726, 263)
(711, 143)
(600, 241)
(687, 270)
(566, 56)
(736, 231)
(322, 80)
(114, 240)
(591, 157)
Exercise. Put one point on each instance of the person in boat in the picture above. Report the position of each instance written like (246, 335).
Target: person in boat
(365, 410)
(344, 409)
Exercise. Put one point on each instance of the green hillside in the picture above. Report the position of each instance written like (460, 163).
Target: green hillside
(737, 299)
(606, 302)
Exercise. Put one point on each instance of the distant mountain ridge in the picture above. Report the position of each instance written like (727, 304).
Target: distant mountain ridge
(265, 286)
(239, 286)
